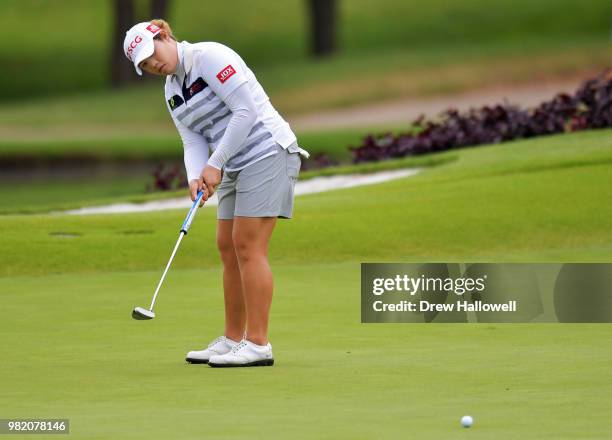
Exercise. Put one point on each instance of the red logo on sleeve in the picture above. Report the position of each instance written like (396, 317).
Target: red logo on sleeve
(226, 73)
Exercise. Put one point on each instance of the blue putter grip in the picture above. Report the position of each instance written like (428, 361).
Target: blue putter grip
(192, 213)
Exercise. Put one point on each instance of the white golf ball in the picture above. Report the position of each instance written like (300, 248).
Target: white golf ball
(467, 421)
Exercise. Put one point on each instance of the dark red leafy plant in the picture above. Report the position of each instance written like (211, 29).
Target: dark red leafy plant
(589, 107)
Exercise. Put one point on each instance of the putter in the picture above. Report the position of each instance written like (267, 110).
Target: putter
(141, 313)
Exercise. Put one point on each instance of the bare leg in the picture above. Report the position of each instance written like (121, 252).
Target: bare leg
(251, 236)
(235, 311)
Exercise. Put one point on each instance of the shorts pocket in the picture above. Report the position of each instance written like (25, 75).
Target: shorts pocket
(293, 165)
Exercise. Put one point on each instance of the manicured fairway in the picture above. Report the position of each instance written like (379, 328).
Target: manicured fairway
(546, 199)
(71, 350)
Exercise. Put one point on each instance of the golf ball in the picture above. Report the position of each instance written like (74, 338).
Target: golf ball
(467, 421)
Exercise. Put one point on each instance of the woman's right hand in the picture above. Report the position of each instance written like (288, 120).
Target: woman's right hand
(195, 186)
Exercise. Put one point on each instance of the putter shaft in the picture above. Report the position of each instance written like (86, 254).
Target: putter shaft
(178, 242)
(184, 229)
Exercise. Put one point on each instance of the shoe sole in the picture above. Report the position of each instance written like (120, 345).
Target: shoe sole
(196, 361)
(261, 363)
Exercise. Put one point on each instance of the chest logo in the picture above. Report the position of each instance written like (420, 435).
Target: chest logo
(226, 73)
(175, 102)
(196, 87)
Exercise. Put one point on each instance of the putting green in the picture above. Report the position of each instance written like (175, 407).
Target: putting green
(71, 349)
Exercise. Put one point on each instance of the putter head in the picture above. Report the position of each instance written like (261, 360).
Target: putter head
(142, 314)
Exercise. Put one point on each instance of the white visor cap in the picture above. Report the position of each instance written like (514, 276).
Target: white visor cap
(138, 43)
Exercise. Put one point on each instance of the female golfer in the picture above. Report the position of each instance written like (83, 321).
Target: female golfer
(217, 103)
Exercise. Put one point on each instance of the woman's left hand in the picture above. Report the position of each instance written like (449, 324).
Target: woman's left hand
(212, 178)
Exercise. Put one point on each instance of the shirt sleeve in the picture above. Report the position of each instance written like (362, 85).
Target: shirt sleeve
(244, 116)
(195, 149)
(222, 69)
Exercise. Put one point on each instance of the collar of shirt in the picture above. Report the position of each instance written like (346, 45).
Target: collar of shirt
(185, 61)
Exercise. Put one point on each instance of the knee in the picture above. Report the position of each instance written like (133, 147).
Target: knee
(244, 248)
(226, 249)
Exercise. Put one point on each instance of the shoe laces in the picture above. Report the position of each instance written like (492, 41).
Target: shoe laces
(238, 346)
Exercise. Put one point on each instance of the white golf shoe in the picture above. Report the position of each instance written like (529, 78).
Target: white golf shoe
(244, 354)
(221, 345)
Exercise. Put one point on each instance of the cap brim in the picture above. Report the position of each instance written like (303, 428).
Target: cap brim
(144, 53)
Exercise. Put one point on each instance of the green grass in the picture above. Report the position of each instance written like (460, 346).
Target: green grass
(50, 194)
(68, 284)
(543, 197)
(142, 147)
(72, 351)
(275, 32)
(33, 197)
(56, 191)
(416, 49)
(66, 193)
(53, 190)
(304, 87)
(272, 37)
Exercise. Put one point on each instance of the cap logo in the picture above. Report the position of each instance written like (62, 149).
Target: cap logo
(153, 28)
(226, 73)
(132, 46)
